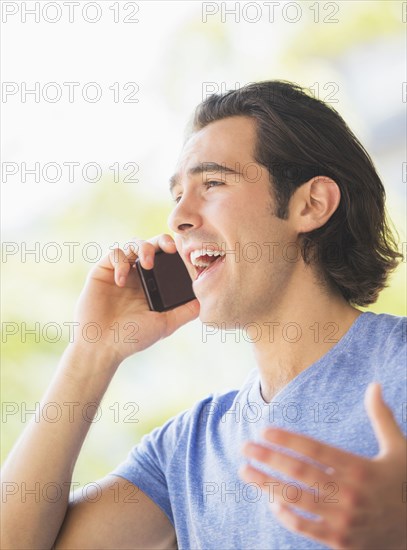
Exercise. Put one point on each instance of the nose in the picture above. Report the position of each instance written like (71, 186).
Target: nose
(185, 215)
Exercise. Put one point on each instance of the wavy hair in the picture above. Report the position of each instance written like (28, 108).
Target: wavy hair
(300, 137)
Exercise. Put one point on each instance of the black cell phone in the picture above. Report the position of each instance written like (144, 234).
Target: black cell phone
(168, 284)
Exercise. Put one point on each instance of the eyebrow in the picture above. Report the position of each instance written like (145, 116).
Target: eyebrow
(200, 169)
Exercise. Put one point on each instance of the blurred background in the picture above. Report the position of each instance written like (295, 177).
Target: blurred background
(103, 165)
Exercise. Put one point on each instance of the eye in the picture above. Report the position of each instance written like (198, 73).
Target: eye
(213, 183)
(207, 184)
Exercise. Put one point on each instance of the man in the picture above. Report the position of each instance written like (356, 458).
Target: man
(292, 459)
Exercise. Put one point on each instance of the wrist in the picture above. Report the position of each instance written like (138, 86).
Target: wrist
(87, 358)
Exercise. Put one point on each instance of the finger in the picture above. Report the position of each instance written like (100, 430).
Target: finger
(167, 243)
(382, 419)
(318, 500)
(121, 265)
(318, 529)
(140, 249)
(145, 250)
(292, 466)
(312, 448)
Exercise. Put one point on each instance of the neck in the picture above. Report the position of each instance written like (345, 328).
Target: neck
(299, 333)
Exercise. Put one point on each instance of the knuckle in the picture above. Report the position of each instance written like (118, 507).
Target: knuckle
(354, 498)
(128, 249)
(135, 245)
(351, 497)
(115, 254)
(347, 521)
(149, 245)
(166, 237)
(165, 241)
(296, 522)
(314, 447)
(340, 541)
(358, 472)
(298, 470)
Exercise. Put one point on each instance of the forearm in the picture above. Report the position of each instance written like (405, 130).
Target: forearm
(47, 451)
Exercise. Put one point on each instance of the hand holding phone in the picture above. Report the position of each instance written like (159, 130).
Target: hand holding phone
(168, 284)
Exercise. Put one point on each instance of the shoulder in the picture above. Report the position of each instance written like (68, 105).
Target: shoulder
(386, 346)
(382, 334)
(380, 342)
(202, 416)
(385, 325)
(215, 404)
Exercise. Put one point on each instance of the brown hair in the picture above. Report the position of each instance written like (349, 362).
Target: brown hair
(299, 137)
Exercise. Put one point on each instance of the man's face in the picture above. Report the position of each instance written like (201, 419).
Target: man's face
(224, 204)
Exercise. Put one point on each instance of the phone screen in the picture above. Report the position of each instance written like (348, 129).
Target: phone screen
(168, 284)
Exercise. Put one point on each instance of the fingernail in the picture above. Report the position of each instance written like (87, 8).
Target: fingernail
(148, 260)
(246, 447)
(122, 280)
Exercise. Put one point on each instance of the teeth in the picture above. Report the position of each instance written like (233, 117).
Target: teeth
(200, 263)
(195, 254)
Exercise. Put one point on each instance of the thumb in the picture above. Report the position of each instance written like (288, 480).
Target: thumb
(381, 417)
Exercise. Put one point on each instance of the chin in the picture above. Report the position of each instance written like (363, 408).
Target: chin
(218, 318)
(210, 316)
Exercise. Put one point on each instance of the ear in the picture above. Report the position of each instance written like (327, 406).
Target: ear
(313, 203)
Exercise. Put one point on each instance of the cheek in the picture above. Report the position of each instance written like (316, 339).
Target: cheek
(227, 215)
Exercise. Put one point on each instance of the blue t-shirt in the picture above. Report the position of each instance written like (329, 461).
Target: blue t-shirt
(189, 466)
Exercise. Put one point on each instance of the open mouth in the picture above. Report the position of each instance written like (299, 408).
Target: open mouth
(206, 262)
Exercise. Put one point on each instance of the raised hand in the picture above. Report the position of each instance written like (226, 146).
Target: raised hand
(358, 503)
(113, 306)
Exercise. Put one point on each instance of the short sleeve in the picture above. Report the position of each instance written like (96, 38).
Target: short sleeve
(148, 461)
